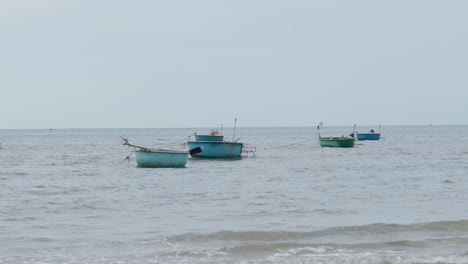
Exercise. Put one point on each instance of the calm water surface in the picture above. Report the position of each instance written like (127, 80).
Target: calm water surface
(69, 196)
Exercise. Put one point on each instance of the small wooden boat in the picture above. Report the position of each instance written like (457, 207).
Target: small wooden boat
(336, 142)
(160, 158)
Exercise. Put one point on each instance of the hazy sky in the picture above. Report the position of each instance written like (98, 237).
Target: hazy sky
(193, 63)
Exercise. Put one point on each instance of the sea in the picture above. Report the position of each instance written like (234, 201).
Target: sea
(71, 196)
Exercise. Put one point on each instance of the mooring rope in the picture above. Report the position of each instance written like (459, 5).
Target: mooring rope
(126, 158)
(292, 144)
(177, 142)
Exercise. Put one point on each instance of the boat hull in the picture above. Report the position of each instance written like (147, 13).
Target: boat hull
(216, 149)
(368, 136)
(161, 158)
(337, 142)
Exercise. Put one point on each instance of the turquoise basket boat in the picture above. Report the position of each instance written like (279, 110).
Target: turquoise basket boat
(160, 158)
(336, 142)
(213, 147)
(371, 135)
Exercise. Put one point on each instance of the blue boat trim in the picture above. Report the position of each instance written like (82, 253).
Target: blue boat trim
(209, 137)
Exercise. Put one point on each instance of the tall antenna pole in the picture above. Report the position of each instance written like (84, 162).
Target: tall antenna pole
(234, 133)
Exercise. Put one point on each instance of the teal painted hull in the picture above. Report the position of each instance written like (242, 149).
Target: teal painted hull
(216, 149)
(337, 142)
(368, 136)
(161, 158)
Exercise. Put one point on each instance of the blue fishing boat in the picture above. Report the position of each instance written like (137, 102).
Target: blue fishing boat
(213, 146)
(160, 158)
(216, 149)
(371, 135)
(368, 136)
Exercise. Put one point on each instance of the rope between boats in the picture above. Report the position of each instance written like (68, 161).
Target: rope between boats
(292, 144)
(178, 142)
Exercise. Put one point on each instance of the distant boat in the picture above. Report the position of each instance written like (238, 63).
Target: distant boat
(371, 135)
(368, 136)
(336, 142)
(160, 158)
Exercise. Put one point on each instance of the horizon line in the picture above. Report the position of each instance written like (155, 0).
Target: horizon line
(96, 128)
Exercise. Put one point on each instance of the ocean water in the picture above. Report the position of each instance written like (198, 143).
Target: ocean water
(71, 196)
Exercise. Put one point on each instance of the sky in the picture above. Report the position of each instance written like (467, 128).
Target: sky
(202, 63)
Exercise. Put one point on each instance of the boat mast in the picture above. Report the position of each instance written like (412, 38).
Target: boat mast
(318, 127)
(234, 133)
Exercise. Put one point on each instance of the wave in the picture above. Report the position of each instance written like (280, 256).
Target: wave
(212, 257)
(432, 242)
(379, 230)
(383, 240)
(398, 252)
(454, 245)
